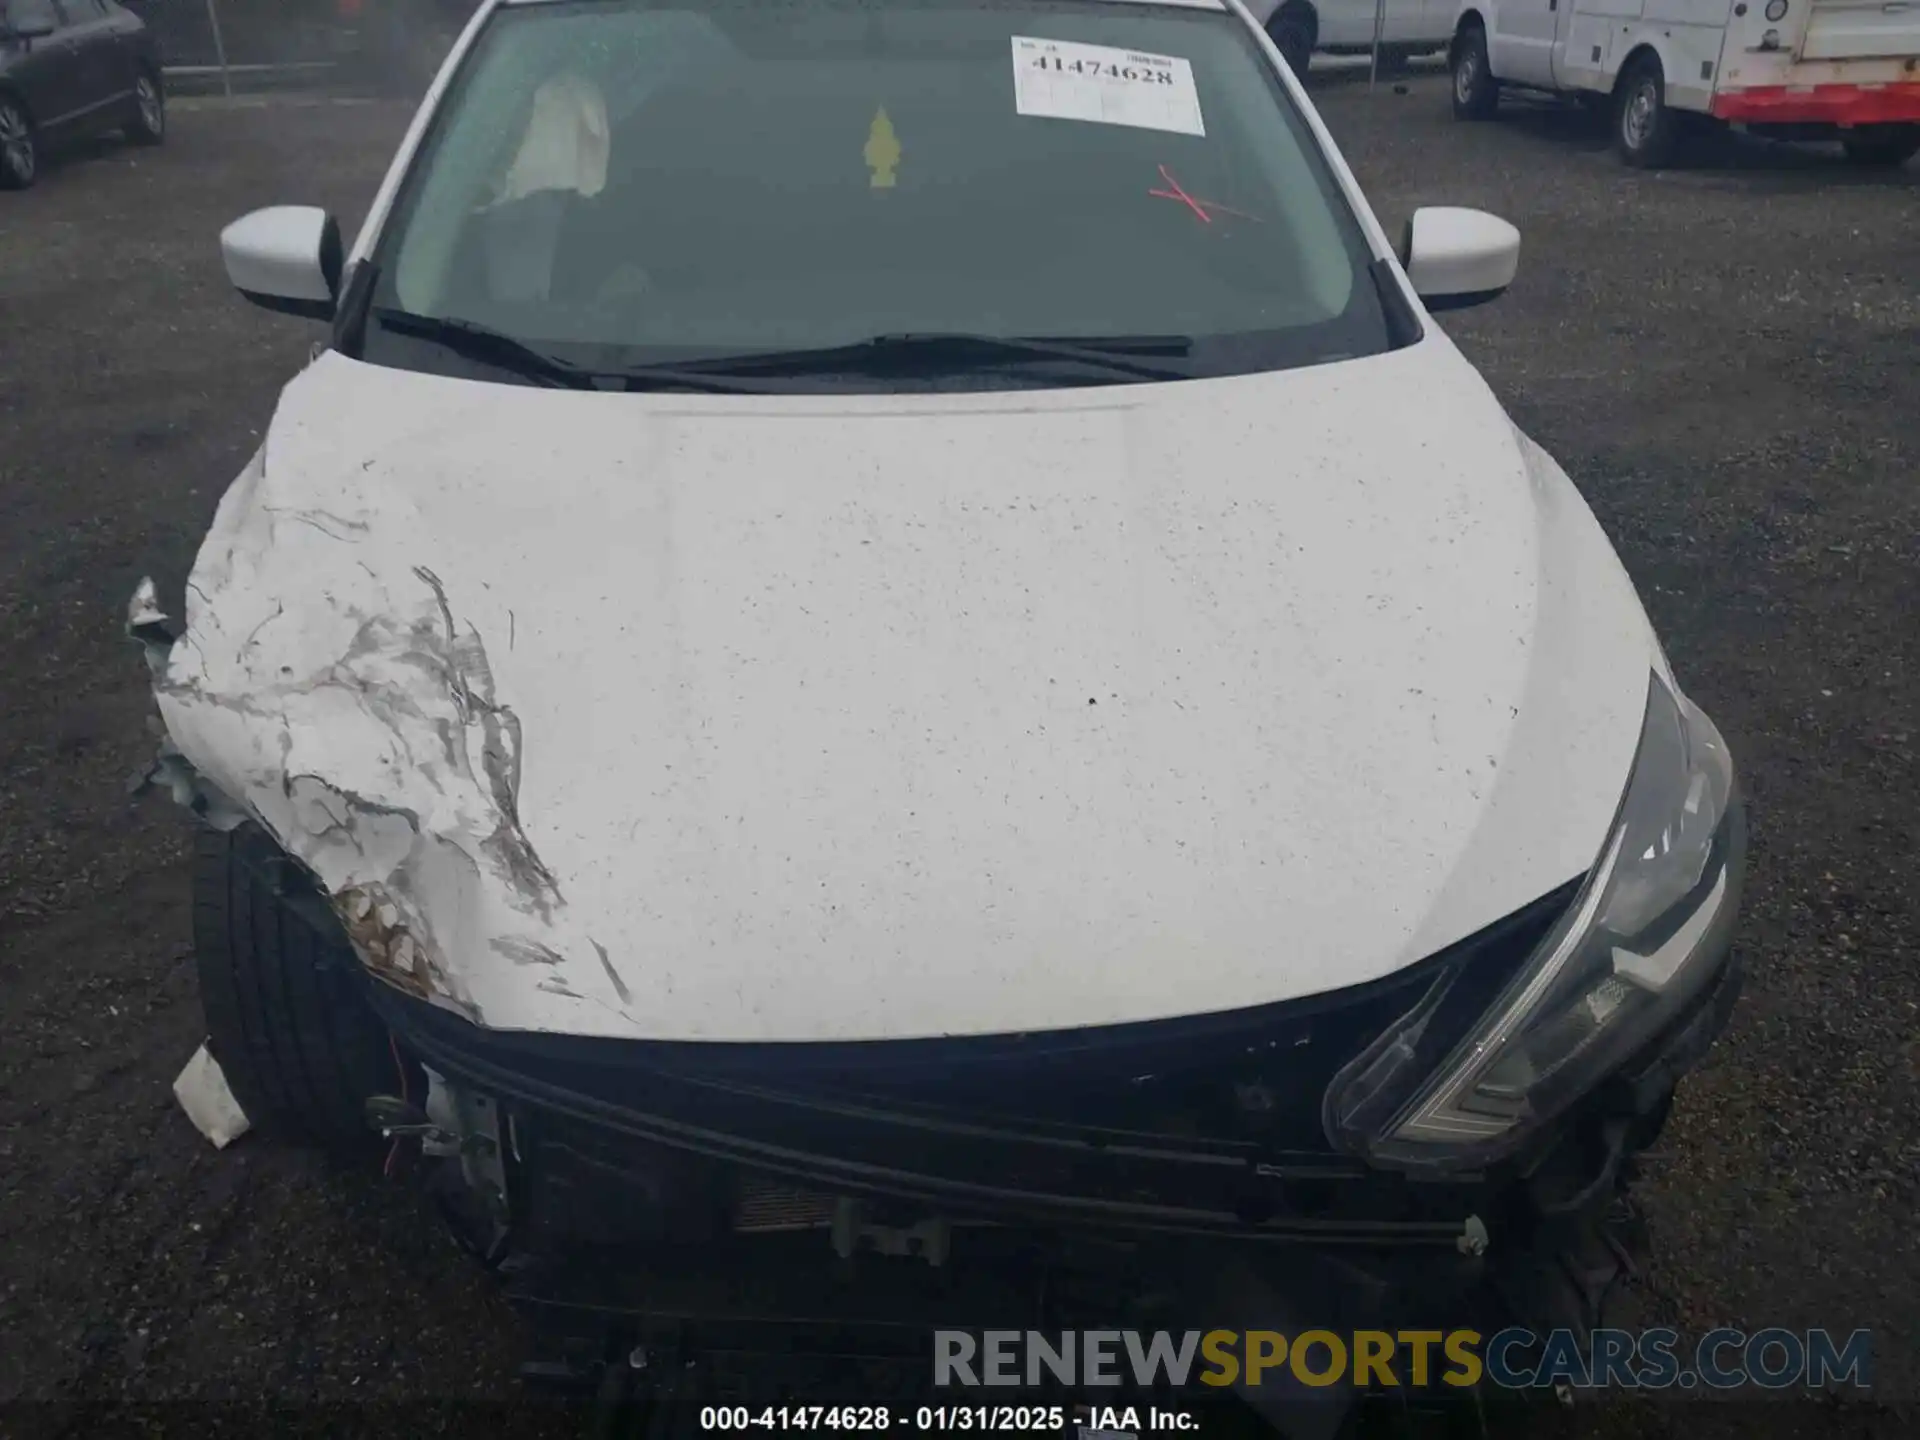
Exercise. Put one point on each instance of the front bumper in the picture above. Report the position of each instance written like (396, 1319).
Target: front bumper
(619, 1143)
(703, 1155)
(1841, 106)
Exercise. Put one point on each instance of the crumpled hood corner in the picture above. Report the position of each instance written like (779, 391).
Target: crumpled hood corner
(325, 690)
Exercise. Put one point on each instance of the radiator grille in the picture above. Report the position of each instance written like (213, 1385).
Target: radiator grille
(764, 1208)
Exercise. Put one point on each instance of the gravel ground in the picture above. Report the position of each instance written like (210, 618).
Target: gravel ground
(1727, 360)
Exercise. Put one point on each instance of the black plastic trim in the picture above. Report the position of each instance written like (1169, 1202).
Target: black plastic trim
(996, 1126)
(1466, 300)
(286, 305)
(1403, 321)
(350, 317)
(857, 1177)
(332, 256)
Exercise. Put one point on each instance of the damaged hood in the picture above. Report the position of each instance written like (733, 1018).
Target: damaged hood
(847, 717)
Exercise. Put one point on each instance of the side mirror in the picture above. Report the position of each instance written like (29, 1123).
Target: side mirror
(286, 258)
(30, 30)
(1456, 258)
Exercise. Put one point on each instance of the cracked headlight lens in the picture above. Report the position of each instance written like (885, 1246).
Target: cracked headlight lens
(1644, 935)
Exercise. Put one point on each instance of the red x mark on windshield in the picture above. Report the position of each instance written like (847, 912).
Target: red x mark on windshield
(1199, 207)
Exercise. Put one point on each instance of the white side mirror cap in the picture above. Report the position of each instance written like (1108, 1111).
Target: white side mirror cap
(286, 258)
(1456, 258)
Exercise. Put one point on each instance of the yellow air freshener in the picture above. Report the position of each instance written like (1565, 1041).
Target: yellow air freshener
(882, 151)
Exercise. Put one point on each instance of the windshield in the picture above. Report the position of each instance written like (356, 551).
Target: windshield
(616, 184)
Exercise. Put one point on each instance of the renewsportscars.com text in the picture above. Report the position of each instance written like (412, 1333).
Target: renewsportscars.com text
(1514, 1359)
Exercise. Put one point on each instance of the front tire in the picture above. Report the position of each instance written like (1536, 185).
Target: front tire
(149, 123)
(1645, 131)
(1882, 147)
(287, 1019)
(19, 147)
(1294, 30)
(1476, 94)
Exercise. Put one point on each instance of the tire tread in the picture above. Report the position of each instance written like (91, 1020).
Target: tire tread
(1661, 151)
(1485, 103)
(8, 179)
(299, 1045)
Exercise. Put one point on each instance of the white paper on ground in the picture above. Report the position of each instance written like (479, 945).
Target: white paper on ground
(202, 1092)
(1065, 80)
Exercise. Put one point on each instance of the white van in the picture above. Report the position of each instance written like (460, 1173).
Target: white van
(1846, 70)
(1346, 27)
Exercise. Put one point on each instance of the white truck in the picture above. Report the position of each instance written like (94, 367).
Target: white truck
(1846, 70)
(1347, 27)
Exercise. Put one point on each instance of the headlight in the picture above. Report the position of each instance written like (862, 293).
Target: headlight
(1644, 935)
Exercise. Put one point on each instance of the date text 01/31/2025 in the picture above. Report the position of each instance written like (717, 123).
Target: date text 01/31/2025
(1052, 1420)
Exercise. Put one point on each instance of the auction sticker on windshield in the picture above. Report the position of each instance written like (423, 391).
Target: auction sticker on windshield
(1064, 80)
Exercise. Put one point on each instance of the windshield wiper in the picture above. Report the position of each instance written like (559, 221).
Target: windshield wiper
(474, 341)
(1114, 354)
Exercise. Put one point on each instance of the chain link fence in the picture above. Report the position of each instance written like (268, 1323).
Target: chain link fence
(384, 46)
(369, 46)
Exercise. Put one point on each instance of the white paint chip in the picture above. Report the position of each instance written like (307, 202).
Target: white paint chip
(202, 1092)
(1064, 80)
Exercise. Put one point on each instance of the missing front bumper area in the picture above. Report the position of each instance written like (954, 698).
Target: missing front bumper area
(754, 1216)
(613, 1220)
(1206, 1127)
(694, 1157)
(619, 1180)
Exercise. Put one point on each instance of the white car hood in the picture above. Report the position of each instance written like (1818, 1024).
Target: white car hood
(820, 718)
